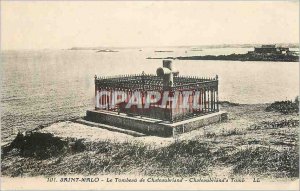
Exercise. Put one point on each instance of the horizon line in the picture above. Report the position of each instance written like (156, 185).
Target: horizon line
(153, 46)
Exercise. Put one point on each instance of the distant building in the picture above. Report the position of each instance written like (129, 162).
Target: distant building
(270, 49)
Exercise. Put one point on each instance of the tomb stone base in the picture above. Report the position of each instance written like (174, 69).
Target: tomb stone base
(151, 126)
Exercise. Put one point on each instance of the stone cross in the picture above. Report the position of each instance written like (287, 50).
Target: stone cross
(167, 72)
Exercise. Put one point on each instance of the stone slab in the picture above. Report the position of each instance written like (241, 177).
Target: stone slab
(151, 126)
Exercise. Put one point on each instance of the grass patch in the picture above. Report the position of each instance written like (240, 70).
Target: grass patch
(209, 134)
(275, 124)
(51, 156)
(262, 160)
(181, 158)
(184, 158)
(284, 107)
(231, 132)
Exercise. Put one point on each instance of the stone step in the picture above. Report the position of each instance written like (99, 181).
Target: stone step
(110, 128)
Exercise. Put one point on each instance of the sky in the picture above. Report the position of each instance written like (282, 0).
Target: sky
(65, 24)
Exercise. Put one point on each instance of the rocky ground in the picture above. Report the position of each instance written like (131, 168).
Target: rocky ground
(252, 142)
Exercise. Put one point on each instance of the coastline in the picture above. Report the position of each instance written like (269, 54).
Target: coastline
(238, 57)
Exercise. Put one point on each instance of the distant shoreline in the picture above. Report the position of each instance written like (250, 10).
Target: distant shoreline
(238, 57)
(207, 46)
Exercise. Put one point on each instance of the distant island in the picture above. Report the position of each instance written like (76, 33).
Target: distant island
(107, 50)
(263, 53)
(196, 49)
(163, 51)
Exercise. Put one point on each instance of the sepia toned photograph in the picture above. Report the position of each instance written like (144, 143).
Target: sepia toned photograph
(149, 95)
